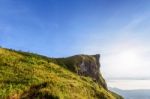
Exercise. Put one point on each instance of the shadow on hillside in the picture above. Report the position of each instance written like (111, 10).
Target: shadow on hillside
(35, 93)
(14, 82)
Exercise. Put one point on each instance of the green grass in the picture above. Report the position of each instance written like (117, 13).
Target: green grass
(30, 76)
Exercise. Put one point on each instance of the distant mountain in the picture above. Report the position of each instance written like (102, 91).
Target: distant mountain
(133, 94)
(30, 76)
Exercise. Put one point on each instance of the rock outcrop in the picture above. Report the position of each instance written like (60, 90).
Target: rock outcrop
(86, 65)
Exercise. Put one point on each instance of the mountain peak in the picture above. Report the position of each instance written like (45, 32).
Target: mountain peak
(85, 65)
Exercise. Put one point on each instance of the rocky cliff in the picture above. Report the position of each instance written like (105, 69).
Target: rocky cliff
(85, 65)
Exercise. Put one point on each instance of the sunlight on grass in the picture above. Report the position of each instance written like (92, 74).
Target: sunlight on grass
(26, 75)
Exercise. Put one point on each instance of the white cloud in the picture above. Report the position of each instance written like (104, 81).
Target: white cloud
(127, 61)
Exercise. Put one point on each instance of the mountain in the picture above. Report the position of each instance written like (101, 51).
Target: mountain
(133, 94)
(26, 75)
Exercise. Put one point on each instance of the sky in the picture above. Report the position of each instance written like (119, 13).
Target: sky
(119, 30)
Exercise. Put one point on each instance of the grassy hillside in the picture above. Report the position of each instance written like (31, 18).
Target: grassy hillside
(30, 76)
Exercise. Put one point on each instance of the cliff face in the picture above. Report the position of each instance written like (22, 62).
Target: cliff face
(86, 65)
(90, 67)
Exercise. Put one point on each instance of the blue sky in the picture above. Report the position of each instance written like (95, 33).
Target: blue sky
(117, 29)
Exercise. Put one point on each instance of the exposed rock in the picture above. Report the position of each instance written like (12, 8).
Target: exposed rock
(86, 65)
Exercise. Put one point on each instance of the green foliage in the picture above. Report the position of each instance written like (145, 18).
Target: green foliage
(27, 76)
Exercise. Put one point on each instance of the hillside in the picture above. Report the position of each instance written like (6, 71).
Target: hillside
(30, 76)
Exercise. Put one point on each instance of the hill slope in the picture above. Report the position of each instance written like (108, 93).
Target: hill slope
(30, 76)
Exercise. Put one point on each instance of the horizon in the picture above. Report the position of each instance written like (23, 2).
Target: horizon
(118, 30)
(129, 84)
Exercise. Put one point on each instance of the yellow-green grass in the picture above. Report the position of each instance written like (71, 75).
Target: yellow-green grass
(30, 76)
